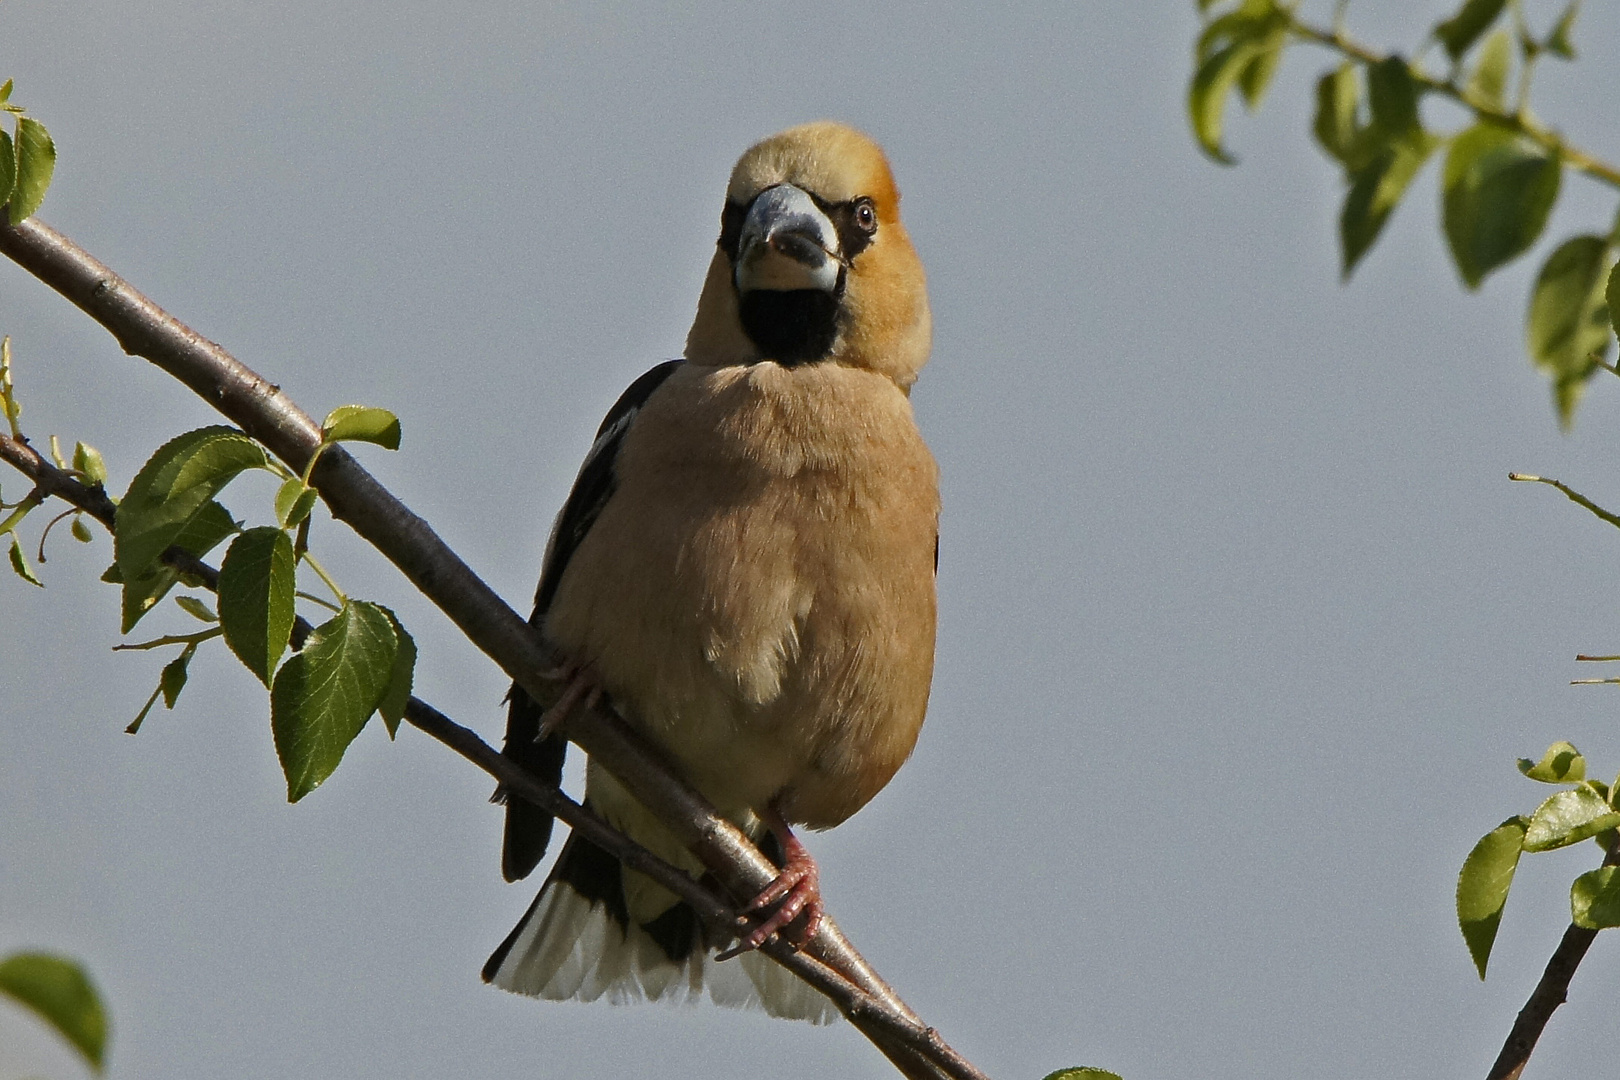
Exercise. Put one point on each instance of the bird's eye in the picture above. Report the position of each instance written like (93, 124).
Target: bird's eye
(865, 215)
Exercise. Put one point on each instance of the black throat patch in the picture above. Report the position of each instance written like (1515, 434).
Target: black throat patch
(793, 327)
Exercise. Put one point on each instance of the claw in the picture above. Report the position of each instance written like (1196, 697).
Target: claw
(582, 688)
(795, 893)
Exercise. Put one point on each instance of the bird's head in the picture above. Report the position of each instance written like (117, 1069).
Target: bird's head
(813, 264)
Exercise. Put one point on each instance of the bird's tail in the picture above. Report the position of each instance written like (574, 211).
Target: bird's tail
(578, 942)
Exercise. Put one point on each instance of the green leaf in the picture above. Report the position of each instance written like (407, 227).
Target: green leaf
(1561, 764)
(60, 992)
(1558, 42)
(1392, 95)
(1459, 32)
(1488, 83)
(173, 487)
(19, 563)
(1569, 817)
(1568, 327)
(1206, 96)
(1258, 72)
(360, 423)
(1613, 297)
(398, 694)
(36, 160)
(294, 501)
(1482, 887)
(80, 531)
(87, 460)
(5, 92)
(8, 166)
(1594, 899)
(1498, 190)
(201, 535)
(1338, 98)
(1082, 1074)
(324, 694)
(196, 608)
(1375, 190)
(173, 678)
(256, 601)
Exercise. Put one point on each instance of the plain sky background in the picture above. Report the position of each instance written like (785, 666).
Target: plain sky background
(1242, 626)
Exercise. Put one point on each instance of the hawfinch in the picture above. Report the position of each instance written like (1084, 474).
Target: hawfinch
(745, 568)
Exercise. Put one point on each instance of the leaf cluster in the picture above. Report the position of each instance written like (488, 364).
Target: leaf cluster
(1585, 809)
(1502, 172)
(324, 685)
(325, 682)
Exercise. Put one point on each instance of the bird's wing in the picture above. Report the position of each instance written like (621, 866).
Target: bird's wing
(528, 827)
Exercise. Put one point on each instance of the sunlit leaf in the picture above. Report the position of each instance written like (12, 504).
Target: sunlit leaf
(1594, 899)
(1233, 51)
(1569, 817)
(294, 501)
(1498, 191)
(1459, 32)
(1082, 1074)
(80, 531)
(173, 487)
(87, 460)
(1488, 83)
(324, 694)
(256, 601)
(1561, 764)
(1568, 327)
(1257, 74)
(1612, 295)
(361, 423)
(1482, 887)
(1338, 97)
(19, 563)
(36, 161)
(196, 608)
(61, 994)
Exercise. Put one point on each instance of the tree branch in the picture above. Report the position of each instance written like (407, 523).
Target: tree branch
(1551, 992)
(355, 497)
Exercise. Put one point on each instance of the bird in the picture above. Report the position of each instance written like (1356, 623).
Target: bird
(745, 569)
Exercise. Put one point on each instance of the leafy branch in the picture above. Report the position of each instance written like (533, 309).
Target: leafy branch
(918, 1049)
(156, 535)
(1502, 173)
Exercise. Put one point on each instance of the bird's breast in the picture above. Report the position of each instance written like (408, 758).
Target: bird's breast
(759, 590)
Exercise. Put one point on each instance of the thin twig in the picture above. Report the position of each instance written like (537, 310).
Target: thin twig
(1570, 493)
(1551, 992)
(355, 497)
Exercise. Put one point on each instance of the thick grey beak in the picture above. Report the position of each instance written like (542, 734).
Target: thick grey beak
(787, 243)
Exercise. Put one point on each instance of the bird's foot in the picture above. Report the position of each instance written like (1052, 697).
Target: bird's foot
(795, 896)
(582, 689)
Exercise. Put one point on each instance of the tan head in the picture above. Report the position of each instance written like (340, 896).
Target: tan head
(813, 265)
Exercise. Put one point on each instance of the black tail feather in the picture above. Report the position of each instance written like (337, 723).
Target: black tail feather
(528, 827)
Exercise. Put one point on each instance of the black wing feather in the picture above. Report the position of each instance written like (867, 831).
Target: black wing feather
(528, 827)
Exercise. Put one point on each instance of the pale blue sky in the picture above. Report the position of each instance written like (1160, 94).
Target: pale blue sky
(1242, 624)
